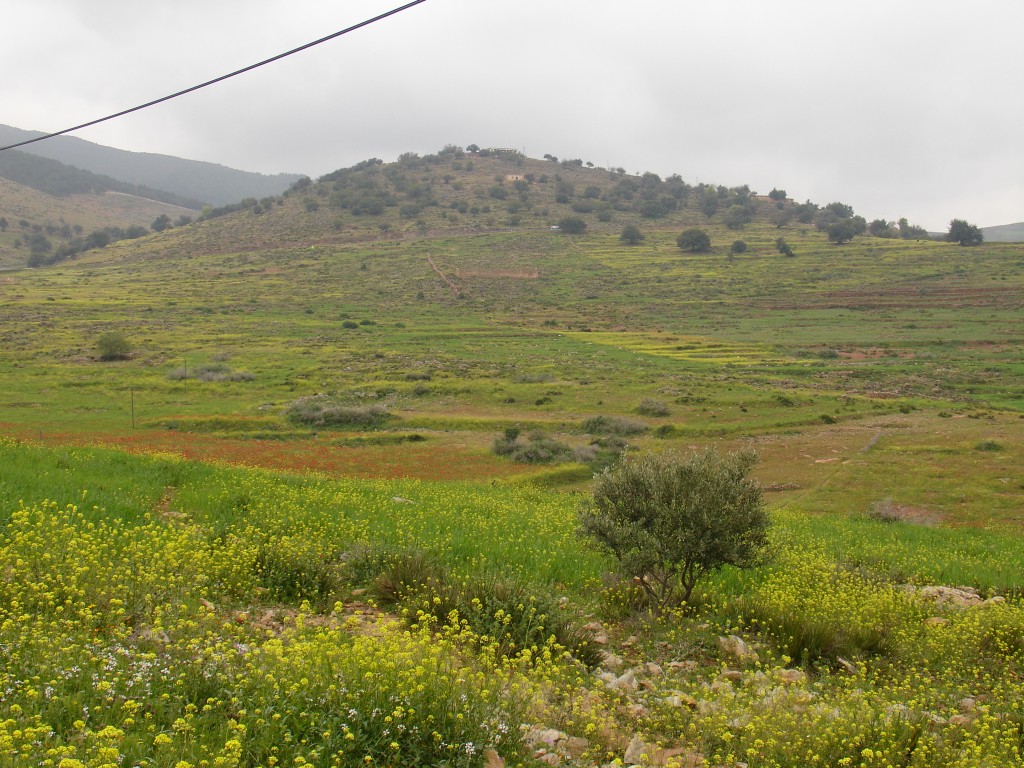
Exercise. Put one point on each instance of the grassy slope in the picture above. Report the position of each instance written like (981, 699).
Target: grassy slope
(541, 330)
(89, 211)
(248, 589)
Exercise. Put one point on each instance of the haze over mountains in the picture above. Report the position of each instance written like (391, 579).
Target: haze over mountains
(206, 183)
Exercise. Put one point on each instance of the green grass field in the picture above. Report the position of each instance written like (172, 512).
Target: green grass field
(195, 579)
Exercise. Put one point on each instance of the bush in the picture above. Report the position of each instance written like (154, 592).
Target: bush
(323, 411)
(113, 345)
(649, 407)
(572, 225)
(989, 445)
(669, 521)
(694, 240)
(739, 246)
(213, 372)
(631, 235)
(538, 448)
(613, 425)
(507, 615)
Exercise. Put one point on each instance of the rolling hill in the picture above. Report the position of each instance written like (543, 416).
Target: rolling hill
(1005, 233)
(28, 211)
(206, 182)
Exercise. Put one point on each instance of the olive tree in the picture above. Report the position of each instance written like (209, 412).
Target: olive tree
(631, 235)
(669, 521)
(964, 233)
(694, 240)
(113, 345)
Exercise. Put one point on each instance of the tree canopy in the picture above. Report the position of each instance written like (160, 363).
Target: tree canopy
(694, 240)
(669, 521)
(631, 235)
(964, 233)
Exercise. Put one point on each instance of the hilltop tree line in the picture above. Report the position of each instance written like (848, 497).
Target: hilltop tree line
(446, 184)
(411, 185)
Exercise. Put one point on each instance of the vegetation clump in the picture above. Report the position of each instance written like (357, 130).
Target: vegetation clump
(324, 411)
(537, 448)
(694, 240)
(964, 233)
(670, 521)
(113, 345)
(651, 407)
(613, 425)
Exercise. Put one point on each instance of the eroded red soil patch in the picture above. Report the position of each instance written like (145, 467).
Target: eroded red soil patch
(429, 460)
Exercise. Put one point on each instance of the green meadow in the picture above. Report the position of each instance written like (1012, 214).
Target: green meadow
(203, 569)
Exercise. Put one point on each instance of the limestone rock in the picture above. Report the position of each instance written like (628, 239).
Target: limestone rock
(792, 677)
(553, 746)
(679, 699)
(967, 704)
(848, 666)
(611, 662)
(573, 746)
(737, 648)
(637, 751)
(625, 682)
(492, 759)
(954, 597)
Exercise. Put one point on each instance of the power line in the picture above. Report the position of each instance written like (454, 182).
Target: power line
(251, 67)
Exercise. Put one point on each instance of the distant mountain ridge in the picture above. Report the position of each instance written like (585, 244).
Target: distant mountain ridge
(59, 179)
(1005, 233)
(192, 179)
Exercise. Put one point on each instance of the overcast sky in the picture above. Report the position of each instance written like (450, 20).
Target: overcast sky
(898, 108)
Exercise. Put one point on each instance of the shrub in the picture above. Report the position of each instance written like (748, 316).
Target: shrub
(538, 448)
(323, 411)
(113, 345)
(631, 235)
(989, 445)
(613, 425)
(211, 372)
(884, 511)
(669, 521)
(572, 225)
(506, 615)
(694, 240)
(649, 407)
(404, 574)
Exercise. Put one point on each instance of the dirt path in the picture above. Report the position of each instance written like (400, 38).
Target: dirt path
(455, 288)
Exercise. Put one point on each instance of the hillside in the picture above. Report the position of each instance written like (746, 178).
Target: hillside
(190, 179)
(29, 212)
(1006, 233)
(320, 458)
(58, 179)
(436, 288)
